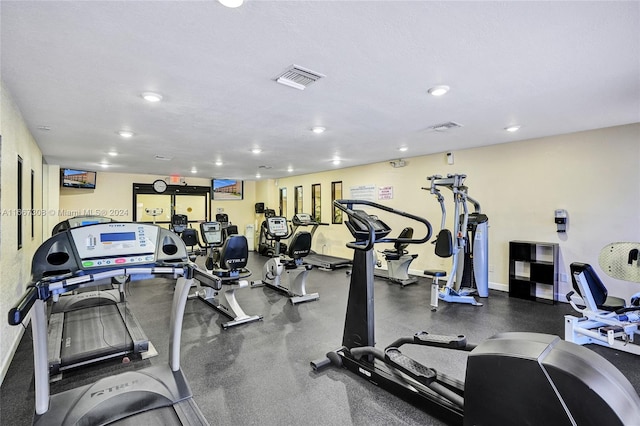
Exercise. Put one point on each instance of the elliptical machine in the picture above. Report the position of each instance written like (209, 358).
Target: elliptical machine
(290, 264)
(511, 378)
(266, 244)
(469, 271)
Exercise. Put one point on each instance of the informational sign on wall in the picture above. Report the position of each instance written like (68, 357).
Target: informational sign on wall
(363, 192)
(385, 193)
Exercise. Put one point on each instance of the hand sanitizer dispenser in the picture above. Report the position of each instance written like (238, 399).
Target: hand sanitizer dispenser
(561, 220)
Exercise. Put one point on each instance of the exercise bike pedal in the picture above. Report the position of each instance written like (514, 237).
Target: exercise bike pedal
(412, 368)
(439, 340)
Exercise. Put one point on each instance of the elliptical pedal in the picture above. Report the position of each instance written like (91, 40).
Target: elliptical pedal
(439, 340)
(413, 368)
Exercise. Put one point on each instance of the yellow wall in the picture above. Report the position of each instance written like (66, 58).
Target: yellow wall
(594, 175)
(113, 197)
(15, 264)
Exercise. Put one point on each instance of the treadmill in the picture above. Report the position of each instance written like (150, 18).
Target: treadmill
(94, 324)
(323, 261)
(86, 256)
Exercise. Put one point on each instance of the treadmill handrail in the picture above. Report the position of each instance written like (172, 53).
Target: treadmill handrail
(346, 205)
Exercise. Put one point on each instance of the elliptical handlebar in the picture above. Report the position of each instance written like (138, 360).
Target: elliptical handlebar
(346, 206)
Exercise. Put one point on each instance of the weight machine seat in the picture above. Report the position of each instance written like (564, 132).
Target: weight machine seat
(232, 261)
(444, 243)
(597, 288)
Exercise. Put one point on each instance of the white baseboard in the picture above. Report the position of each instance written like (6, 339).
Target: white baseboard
(492, 285)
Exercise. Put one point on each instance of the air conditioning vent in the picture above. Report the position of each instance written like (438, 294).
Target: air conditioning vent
(163, 158)
(298, 77)
(443, 127)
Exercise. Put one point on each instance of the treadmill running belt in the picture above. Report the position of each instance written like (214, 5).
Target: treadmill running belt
(93, 332)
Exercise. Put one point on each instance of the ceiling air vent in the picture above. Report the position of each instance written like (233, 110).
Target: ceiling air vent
(297, 77)
(443, 127)
(163, 158)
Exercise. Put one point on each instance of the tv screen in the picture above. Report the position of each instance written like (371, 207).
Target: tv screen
(72, 178)
(226, 189)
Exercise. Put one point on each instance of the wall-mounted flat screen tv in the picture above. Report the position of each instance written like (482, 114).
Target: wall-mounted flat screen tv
(227, 189)
(73, 178)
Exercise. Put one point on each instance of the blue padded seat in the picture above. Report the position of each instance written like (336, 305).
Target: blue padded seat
(597, 288)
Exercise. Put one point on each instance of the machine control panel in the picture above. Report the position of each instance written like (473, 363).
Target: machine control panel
(115, 244)
(277, 226)
(211, 232)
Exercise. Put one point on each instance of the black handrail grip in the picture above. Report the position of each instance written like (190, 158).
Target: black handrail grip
(342, 205)
(21, 309)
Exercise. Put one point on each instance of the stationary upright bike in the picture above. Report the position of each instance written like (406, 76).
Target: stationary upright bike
(511, 378)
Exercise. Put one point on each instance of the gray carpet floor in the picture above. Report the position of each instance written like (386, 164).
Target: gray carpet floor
(259, 373)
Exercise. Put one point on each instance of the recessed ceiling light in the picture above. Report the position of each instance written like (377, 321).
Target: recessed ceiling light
(194, 170)
(256, 150)
(113, 153)
(403, 148)
(438, 90)
(512, 128)
(290, 169)
(336, 161)
(151, 97)
(219, 163)
(104, 165)
(258, 176)
(231, 3)
(125, 133)
(318, 129)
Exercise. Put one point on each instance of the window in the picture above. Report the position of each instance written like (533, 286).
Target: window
(283, 202)
(19, 215)
(336, 194)
(315, 202)
(33, 217)
(297, 200)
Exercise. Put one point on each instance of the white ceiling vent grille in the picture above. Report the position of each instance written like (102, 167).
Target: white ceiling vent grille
(163, 158)
(298, 77)
(443, 127)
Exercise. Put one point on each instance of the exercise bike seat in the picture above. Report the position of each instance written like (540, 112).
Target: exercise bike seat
(596, 287)
(399, 249)
(299, 248)
(232, 260)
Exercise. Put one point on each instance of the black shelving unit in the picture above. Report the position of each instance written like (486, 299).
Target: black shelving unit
(533, 265)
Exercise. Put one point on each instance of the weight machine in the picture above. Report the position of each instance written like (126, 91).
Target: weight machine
(606, 320)
(467, 245)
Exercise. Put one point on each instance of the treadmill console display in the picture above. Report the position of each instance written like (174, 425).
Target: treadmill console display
(211, 232)
(277, 226)
(115, 244)
(77, 221)
(303, 219)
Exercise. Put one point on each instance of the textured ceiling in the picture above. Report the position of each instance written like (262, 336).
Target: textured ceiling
(79, 67)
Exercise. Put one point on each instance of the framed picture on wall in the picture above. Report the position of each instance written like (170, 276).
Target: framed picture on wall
(227, 189)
